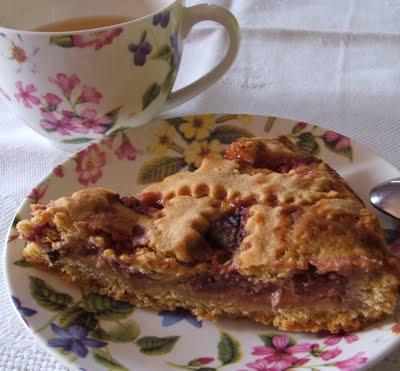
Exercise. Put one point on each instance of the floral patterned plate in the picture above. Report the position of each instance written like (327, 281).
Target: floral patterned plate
(92, 332)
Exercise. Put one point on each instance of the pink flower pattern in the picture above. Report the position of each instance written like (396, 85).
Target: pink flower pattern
(339, 141)
(204, 360)
(89, 163)
(281, 349)
(64, 125)
(72, 120)
(65, 83)
(263, 364)
(280, 352)
(38, 192)
(52, 100)
(89, 94)
(299, 127)
(98, 39)
(329, 354)
(108, 141)
(126, 150)
(59, 171)
(26, 94)
(347, 337)
(352, 363)
(90, 121)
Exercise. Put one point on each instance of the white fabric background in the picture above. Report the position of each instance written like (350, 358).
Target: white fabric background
(331, 63)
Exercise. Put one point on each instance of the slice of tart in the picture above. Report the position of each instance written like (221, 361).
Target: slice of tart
(266, 233)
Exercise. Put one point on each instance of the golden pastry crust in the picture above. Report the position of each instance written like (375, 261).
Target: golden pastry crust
(267, 224)
(178, 229)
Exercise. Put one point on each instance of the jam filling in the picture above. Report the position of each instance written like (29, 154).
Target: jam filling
(53, 255)
(138, 237)
(147, 205)
(43, 234)
(257, 156)
(227, 232)
(330, 286)
(303, 165)
(219, 282)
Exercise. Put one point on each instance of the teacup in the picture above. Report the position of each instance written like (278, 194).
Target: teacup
(78, 85)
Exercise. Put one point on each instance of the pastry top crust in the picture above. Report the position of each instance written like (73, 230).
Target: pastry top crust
(265, 211)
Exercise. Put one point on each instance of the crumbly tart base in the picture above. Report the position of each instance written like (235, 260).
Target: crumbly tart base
(377, 298)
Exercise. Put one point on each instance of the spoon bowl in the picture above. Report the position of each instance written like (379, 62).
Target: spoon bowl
(386, 197)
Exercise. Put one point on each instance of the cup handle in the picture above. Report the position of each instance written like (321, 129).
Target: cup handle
(191, 16)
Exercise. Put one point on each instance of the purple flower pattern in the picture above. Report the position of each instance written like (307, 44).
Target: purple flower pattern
(23, 311)
(176, 54)
(161, 19)
(74, 339)
(172, 317)
(141, 50)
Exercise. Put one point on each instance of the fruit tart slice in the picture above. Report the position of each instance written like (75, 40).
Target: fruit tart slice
(266, 233)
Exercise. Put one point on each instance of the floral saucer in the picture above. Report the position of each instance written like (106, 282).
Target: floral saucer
(92, 332)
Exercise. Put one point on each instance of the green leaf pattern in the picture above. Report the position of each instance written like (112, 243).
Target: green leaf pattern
(266, 339)
(22, 263)
(106, 308)
(159, 168)
(164, 52)
(309, 140)
(228, 349)
(227, 134)
(169, 81)
(307, 143)
(48, 297)
(78, 316)
(155, 346)
(121, 332)
(64, 41)
(113, 115)
(104, 358)
(78, 140)
(152, 92)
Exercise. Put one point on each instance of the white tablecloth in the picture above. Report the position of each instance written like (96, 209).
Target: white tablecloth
(332, 63)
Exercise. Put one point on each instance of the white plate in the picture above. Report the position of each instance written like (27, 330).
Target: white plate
(137, 339)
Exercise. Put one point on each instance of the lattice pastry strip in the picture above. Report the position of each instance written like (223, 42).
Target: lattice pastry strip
(179, 227)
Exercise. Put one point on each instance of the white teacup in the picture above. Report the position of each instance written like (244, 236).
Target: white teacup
(75, 86)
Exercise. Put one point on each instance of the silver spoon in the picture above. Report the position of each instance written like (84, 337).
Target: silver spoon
(386, 197)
